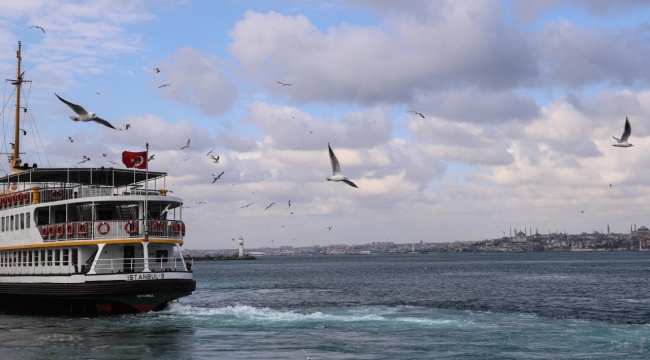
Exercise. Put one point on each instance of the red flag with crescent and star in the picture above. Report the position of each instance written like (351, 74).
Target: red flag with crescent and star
(136, 160)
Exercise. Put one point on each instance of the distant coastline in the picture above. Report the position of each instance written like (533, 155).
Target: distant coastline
(636, 240)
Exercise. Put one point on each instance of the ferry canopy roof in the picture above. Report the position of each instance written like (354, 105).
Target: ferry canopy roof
(84, 176)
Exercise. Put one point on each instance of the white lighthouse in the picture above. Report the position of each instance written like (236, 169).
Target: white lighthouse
(241, 247)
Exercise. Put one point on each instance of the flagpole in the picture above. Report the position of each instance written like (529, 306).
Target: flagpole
(146, 196)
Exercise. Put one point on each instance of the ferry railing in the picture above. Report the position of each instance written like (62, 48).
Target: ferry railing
(56, 194)
(111, 229)
(104, 266)
(136, 265)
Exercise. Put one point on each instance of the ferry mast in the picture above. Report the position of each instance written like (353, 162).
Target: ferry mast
(14, 159)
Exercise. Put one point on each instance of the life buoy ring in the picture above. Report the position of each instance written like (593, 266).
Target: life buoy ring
(176, 227)
(51, 230)
(131, 227)
(69, 229)
(157, 227)
(15, 199)
(60, 230)
(44, 232)
(183, 229)
(9, 203)
(26, 198)
(3, 201)
(82, 229)
(57, 195)
(103, 224)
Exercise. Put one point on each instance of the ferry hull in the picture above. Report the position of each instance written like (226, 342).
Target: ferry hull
(94, 297)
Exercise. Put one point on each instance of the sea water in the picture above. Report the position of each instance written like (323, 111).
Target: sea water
(415, 306)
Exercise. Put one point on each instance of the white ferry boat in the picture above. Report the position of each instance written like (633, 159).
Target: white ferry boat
(88, 240)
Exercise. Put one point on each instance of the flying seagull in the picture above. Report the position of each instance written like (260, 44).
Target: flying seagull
(83, 115)
(217, 177)
(269, 206)
(245, 206)
(283, 84)
(38, 27)
(622, 142)
(114, 163)
(582, 211)
(289, 203)
(151, 157)
(163, 85)
(336, 170)
(209, 152)
(416, 112)
(70, 139)
(104, 155)
(156, 70)
(610, 185)
(215, 159)
(127, 126)
(186, 146)
(162, 213)
(329, 228)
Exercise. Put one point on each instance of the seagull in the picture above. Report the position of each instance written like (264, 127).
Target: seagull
(104, 155)
(215, 159)
(311, 131)
(151, 157)
(127, 126)
(38, 27)
(610, 185)
(70, 139)
(114, 163)
(83, 115)
(217, 177)
(186, 146)
(245, 206)
(269, 206)
(209, 152)
(289, 203)
(582, 211)
(416, 112)
(200, 202)
(622, 142)
(156, 70)
(329, 228)
(162, 213)
(163, 85)
(283, 84)
(336, 170)
(86, 158)
(233, 239)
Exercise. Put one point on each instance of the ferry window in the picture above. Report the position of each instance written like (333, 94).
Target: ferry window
(49, 258)
(3, 224)
(11, 227)
(64, 256)
(22, 221)
(42, 257)
(57, 257)
(2, 259)
(75, 257)
(36, 258)
(161, 255)
(27, 219)
(29, 258)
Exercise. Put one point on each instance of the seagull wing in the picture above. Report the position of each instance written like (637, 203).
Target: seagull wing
(627, 131)
(350, 183)
(421, 115)
(217, 159)
(336, 167)
(188, 142)
(215, 179)
(76, 108)
(220, 174)
(103, 122)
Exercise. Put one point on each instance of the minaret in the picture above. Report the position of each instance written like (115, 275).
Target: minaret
(241, 247)
(607, 229)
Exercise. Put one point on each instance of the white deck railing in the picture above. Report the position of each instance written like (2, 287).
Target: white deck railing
(104, 266)
(111, 229)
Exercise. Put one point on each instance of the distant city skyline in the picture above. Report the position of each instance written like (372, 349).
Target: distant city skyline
(456, 119)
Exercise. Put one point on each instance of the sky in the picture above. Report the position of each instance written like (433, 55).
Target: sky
(520, 102)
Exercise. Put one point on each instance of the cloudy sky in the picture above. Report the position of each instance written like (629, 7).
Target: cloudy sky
(520, 98)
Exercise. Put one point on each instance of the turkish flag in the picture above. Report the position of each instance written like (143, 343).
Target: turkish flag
(136, 160)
